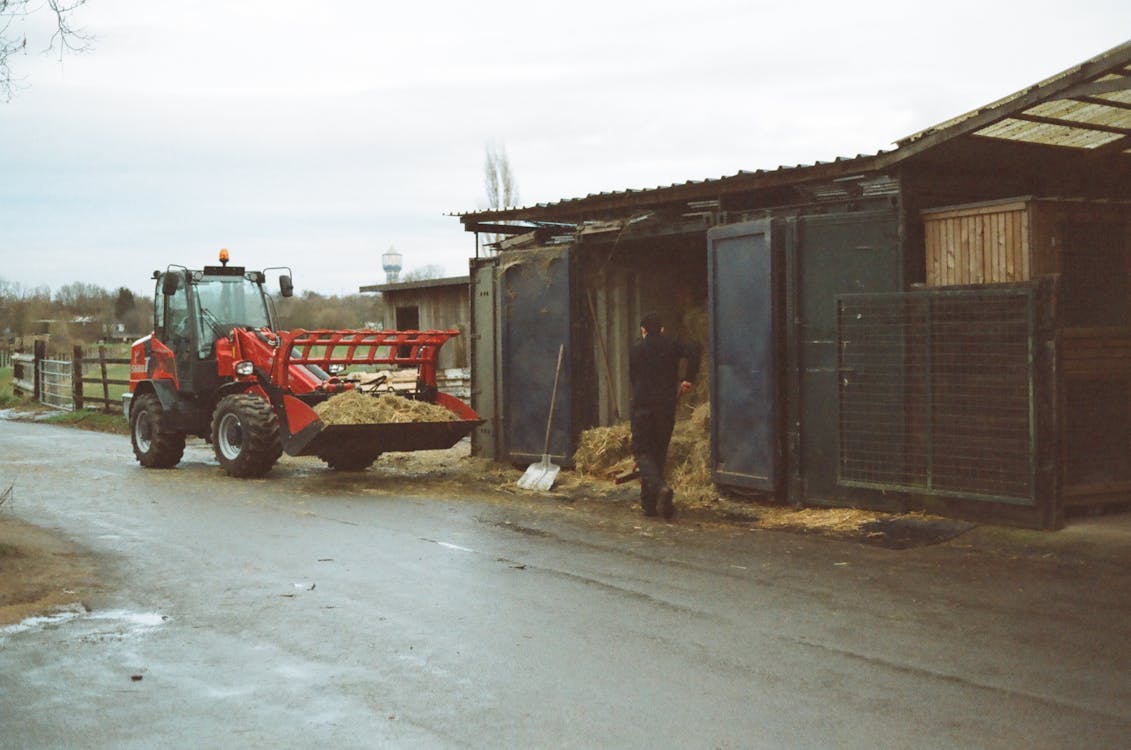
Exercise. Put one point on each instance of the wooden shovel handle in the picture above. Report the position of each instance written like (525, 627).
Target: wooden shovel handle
(553, 398)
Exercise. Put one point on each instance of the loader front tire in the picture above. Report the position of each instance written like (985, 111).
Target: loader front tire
(155, 445)
(245, 435)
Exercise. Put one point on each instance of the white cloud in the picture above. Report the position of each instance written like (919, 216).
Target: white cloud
(316, 135)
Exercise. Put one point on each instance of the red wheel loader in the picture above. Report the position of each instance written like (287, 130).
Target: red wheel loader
(216, 366)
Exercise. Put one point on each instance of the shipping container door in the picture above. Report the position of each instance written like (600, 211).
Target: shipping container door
(485, 356)
(829, 255)
(534, 298)
(745, 442)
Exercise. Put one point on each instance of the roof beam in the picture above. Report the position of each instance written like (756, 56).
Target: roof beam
(1074, 124)
(1102, 102)
(499, 228)
(1091, 88)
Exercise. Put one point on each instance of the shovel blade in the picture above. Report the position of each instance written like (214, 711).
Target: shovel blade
(539, 476)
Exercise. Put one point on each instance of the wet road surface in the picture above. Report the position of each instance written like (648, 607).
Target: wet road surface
(313, 608)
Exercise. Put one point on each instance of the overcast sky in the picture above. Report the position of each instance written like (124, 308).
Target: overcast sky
(316, 135)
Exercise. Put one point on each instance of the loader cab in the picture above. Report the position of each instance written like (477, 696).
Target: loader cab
(194, 309)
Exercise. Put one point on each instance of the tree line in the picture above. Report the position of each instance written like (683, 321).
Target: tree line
(81, 313)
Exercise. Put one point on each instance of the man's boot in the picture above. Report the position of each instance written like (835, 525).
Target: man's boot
(667, 507)
(648, 500)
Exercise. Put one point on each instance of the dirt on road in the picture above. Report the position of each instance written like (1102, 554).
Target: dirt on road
(40, 571)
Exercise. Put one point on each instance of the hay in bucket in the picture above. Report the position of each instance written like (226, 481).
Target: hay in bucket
(354, 407)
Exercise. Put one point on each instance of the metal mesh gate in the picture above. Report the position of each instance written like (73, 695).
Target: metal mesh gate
(56, 388)
(936, 392)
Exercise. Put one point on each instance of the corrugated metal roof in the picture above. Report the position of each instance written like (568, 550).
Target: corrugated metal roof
(709, 188)
(399, 286)
(1085, 107)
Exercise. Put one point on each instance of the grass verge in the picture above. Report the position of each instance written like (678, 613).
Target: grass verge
(7, 398)
(95, 421)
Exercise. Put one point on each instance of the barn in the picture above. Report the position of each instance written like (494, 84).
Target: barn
(432, 304)
(439, 304)
(945, 325)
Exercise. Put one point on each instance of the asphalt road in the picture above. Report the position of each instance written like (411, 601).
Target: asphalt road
(316, 609)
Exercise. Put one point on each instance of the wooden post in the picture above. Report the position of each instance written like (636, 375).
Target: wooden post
(76, 378)
(39, 350)
(105, 385)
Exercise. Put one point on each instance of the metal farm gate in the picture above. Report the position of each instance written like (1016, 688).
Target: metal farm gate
(950, 393)
(56, 383)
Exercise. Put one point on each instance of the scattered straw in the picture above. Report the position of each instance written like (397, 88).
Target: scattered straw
(353, 407)
(605, 452)
(814, 519)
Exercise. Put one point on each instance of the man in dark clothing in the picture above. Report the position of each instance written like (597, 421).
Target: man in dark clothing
(653, 368)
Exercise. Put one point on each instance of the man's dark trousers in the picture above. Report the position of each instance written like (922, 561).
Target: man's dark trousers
(651, 432)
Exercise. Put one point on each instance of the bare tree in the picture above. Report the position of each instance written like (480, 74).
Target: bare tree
(13, 39)
(502, 190)
(424, 273)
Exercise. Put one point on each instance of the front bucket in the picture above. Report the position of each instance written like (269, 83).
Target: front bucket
(388, 437)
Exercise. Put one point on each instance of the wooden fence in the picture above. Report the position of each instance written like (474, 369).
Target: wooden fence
(101, 378)
(24, 378)
(66, 384)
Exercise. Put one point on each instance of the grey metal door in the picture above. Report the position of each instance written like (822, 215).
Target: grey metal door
(485, 356)
(830, 255)
(534, 298)
(742, 314)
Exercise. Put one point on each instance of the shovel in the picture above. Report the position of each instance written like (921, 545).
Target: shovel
(541, 476)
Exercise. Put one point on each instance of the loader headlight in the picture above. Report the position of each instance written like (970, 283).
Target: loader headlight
(335, 369)
(245, 367)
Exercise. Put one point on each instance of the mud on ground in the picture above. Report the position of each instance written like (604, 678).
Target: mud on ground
(40, 571)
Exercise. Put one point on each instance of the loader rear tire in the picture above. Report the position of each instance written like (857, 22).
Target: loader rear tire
(355, 459)
(155, 445)
(245, 435)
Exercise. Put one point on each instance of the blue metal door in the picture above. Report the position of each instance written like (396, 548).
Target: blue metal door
(742, 314)
(534, 299)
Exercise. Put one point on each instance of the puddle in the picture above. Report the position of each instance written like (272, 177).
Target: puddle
(907, 533)
(138, 620)
(118, 623)
(45, 622)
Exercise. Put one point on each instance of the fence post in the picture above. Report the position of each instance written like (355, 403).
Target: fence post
(39, 351)
(76, 377)
(105, 385)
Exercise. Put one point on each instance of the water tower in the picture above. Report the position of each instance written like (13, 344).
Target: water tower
(391, 262)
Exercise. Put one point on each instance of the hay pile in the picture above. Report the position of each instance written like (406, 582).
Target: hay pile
(353, 407)
(689, 457)
(605, 452)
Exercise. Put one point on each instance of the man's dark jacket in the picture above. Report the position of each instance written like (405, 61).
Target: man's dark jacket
(653, 368)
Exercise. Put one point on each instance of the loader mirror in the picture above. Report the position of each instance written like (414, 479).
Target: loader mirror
(169, 284)
(286, 288)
